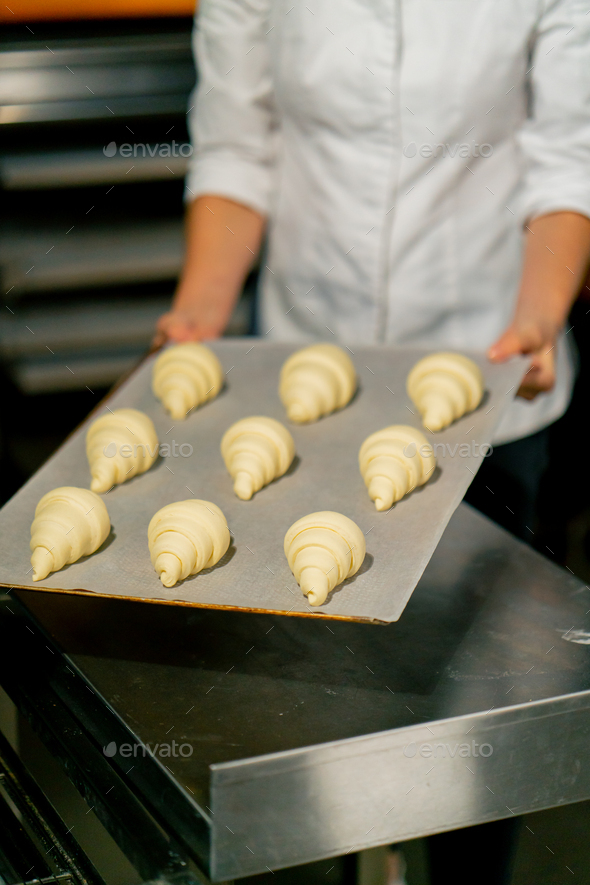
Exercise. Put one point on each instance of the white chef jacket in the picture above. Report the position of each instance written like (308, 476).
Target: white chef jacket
(398, 147)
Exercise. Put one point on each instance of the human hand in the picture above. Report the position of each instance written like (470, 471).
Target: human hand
(222, 240)
(557, 251)
(535, 341)
(194, 317)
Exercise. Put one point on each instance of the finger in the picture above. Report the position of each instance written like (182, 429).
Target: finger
(530, 393)
(544, 370)
(178, 327)
(180, 330)
(540, 378)
(180, 334)
(527, 393)
(541, 383)
(161, 334)
(507, 345)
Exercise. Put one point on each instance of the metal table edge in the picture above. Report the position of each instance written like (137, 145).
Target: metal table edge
(291, 760)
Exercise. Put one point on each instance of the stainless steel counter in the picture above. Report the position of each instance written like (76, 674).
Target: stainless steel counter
(297, 740)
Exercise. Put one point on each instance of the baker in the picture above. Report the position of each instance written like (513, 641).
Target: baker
(419, 174)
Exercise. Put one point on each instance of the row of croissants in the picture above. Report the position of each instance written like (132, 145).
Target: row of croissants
(317, 380)
(323, 549)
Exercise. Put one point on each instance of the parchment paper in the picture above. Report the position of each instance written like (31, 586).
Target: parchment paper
(254, 574)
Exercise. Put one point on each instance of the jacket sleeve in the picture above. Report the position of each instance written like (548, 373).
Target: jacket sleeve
(233, 120)
(556, 138)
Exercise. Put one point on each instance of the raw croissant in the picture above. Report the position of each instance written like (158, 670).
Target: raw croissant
(186, 376)
(186, 537)
(69, 523)
(394, 461)
(316, 381)
(256, 451)
(323, 549)
(444, 387)
(119, 445)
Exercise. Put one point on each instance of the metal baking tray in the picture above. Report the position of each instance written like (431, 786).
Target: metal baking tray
(254, 575)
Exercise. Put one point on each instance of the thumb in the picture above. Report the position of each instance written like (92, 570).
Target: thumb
(177, 326)
(507, 345)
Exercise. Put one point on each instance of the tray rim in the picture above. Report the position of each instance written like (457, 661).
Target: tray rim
(180, 602)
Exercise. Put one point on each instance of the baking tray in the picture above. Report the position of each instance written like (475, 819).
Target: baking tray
(254, 575)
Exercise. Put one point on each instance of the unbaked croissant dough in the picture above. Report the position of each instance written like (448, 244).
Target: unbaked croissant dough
(69, 523)
(393, 461)
(256, 450)
(186, 537)
(119, 445)
(186, 376)
(443, 387)
(316, 381)
(323, 549)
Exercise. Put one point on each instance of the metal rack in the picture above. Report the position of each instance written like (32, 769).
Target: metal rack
(91, 239)
(34, 842)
